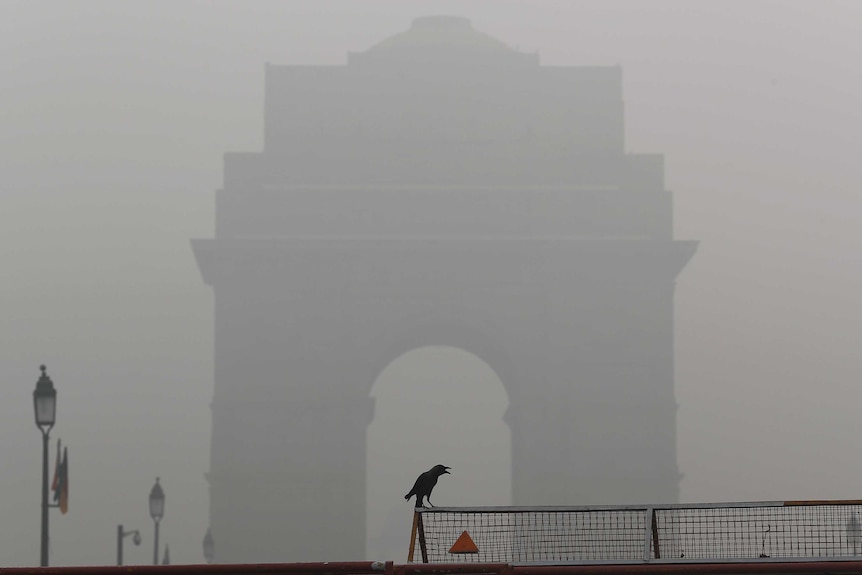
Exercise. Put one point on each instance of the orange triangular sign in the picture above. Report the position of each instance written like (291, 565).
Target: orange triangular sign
(464, 544)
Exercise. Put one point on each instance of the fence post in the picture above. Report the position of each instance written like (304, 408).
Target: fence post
(413, 536)
(649, 522)
(422, 546)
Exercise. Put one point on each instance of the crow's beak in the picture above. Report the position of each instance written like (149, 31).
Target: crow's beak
(446, 470)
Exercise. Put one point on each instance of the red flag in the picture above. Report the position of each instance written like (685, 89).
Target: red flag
(64, 482)
(56, 480)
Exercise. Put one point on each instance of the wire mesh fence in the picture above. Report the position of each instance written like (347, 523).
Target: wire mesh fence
(729, 531)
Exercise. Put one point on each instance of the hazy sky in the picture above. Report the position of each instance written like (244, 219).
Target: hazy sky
(113, 120)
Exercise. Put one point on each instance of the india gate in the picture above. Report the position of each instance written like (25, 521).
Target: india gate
(441, 188)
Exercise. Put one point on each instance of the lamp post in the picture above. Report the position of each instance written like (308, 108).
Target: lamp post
(209, 547)
(45, 409)
(136, 538)
(157, 511)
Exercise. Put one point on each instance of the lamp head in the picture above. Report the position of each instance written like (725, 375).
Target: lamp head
(157, 502)
(45, 401)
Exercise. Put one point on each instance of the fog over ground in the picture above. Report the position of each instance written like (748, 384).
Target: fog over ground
(113, 120)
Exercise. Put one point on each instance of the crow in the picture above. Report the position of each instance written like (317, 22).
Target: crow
(425, 484)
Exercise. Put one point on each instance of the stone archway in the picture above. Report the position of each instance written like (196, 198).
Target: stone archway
(586, 360)
(434, 404)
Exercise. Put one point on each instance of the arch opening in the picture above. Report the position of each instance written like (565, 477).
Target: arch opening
(434, 404)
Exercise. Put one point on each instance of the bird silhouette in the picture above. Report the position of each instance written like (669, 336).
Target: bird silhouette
(425, 484)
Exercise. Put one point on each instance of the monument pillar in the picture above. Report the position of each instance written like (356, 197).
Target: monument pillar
(288, 462)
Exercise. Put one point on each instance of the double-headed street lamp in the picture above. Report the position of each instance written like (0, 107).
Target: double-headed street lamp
(45, 409)
(157, 511)
(136, 538)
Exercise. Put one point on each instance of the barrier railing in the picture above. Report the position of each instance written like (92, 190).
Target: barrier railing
(710, 531)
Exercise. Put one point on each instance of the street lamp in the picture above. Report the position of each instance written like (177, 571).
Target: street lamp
(209, 547)
(45, 409)
(157, 511)
(136, 538)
